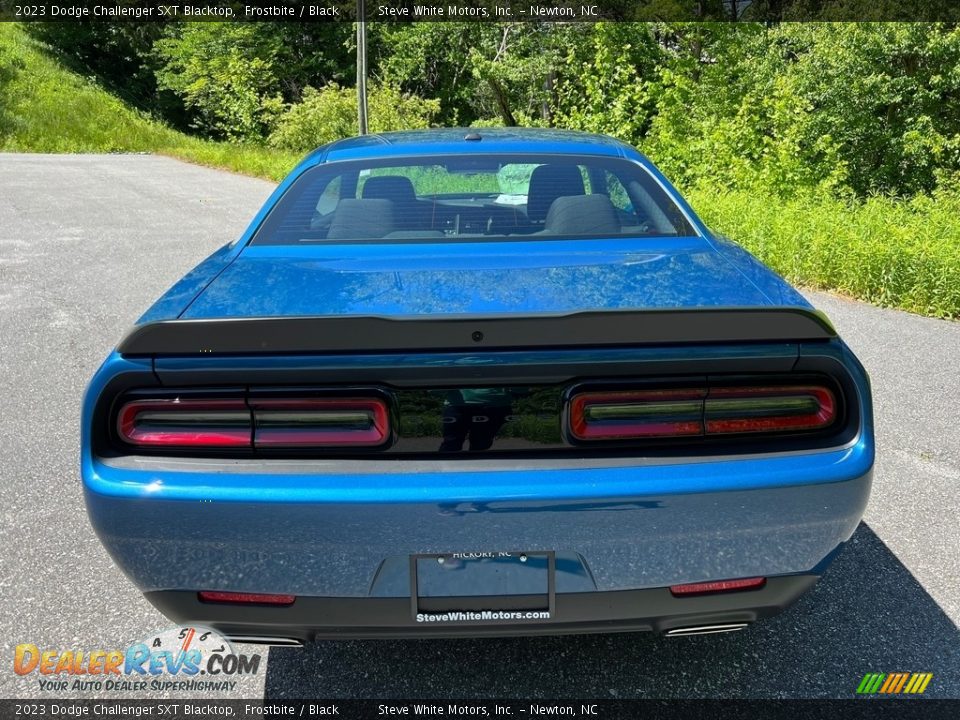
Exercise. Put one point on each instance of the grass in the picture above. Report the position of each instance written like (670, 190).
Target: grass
(46, 108)
(887, 251)
(891, 252)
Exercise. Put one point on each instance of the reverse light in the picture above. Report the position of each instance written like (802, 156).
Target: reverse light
(173, 422)
(719, 586)
(236, 598)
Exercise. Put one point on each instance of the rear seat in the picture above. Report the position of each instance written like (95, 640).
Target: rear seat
(581, 215)
(409, 213)
(360, 219)
(547, 183)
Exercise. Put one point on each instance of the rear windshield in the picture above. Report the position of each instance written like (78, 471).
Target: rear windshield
(472, 198)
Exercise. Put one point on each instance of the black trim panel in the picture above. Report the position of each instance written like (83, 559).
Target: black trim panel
(654, 609)
(328, 334)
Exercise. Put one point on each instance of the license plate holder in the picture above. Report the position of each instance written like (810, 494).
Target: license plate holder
(495, 581)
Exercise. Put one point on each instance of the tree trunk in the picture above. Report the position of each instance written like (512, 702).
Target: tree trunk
(503, 105)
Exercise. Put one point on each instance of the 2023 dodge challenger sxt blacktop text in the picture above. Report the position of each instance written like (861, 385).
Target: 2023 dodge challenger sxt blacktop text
(476, 382)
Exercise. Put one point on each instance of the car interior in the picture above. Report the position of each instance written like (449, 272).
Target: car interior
(556, 200)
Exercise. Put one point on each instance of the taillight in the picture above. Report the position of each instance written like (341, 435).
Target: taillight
(235, 598)
(766, 409)
(640, 414)
(320, 422)
(666, 413)
(719, 586)
(173, 422)
(257, 422)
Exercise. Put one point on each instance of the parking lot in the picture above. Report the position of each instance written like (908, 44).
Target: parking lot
(88, 242)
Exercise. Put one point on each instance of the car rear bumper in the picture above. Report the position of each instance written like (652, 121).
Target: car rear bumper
(348, 562)
(654, 609)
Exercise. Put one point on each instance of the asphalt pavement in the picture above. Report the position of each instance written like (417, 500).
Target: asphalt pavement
(88, 242)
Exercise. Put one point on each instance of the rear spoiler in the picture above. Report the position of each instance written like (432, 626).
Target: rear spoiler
(361, 334)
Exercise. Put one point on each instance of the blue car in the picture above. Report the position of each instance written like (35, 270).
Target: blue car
(476, 382)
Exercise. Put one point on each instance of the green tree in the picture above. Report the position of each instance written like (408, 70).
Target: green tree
(236, 77)
(609, 82)
(482, 71)
(844, 107)
(225, 73)
(330, 113)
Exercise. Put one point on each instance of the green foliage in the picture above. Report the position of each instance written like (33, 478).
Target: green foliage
(489, 72)
(235, 78)
(900, 253)
(331, 113)
(45, 108)
(119, 56)
(831, 151)
(609, 83)
(225, 72)
(432, 60)
(843, 108)
(847, 109)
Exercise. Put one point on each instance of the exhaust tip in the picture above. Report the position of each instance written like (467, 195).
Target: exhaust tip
(705, 629)
(262, 640)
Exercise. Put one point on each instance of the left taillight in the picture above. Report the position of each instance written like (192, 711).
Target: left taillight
(193, 423)
(320, 422)
(255, 422)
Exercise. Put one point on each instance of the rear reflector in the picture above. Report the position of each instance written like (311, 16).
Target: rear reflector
(630, 415)
(320, 422)
(719, 586)
(185, 423)
(245, 598)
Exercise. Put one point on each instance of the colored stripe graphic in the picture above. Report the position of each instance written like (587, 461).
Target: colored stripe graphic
(870, 683)
(894, 683)
(891, 680)
(903, 680)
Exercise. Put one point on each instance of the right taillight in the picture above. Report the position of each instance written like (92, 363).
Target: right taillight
(629, 414)
(687, 412)
(768, 409)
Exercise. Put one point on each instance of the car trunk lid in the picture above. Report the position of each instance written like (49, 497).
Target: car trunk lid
(475, 278)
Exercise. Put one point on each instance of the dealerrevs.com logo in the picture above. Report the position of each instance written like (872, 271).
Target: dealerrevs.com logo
(174, 659)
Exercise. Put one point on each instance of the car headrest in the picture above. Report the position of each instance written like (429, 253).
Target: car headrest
(358, 219)
(389, 187)
(547, 183)
(582, 215)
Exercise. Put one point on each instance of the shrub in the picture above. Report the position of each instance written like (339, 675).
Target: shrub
(226, 75)
(331, 113)
(888, 251)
